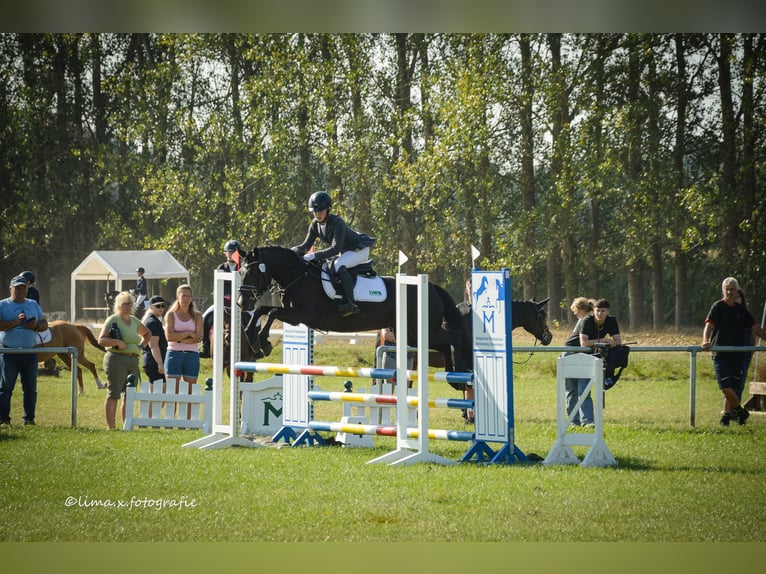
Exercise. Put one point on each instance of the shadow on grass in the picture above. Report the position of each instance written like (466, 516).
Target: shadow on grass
(8, 436)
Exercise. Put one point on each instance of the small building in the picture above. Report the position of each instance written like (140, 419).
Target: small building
(113, 268)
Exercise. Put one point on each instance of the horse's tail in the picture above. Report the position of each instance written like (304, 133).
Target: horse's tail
(88, 334)
(456, 322)
(451, 314)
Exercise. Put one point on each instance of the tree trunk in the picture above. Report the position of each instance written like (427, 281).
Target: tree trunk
(636, 296)
(527, 145)
(728, 185)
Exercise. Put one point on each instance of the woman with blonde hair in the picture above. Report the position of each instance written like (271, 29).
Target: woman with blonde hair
(582, 308)
(183, 330)
(123, 335)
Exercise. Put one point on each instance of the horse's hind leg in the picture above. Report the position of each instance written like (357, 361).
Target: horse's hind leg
(92, 368)
(81, 360)
(68, 362)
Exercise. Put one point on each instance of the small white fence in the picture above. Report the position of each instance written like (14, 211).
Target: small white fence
(168, 405)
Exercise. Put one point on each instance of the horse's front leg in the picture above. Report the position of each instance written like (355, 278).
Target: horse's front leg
(262, 335)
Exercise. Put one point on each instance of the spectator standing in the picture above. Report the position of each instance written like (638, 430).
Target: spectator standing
(183, 330)
(44, 335)
(20, 320)
(32, 292)
(123, 334)
(465, 308)
(140, 290)
(233, 252)
(154, 353)
(727, 325)
(575, 388)
(749, 340)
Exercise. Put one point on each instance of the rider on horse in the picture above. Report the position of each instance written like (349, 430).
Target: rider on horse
(351, 247)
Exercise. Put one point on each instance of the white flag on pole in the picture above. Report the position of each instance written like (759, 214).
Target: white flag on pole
(402, 259)
(474, 255)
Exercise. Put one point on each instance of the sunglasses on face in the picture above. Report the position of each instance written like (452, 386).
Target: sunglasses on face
(159, 306)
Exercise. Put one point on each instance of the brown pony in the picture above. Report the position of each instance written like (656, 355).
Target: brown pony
(65, 334)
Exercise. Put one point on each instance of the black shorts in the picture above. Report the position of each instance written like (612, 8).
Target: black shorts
(152, 373)
(728, 370)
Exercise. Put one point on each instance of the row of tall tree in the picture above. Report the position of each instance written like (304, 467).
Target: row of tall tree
(626, 166)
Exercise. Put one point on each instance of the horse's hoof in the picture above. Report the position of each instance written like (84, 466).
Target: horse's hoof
(266, 347)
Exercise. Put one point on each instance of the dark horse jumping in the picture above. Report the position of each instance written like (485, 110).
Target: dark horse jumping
(304, 301)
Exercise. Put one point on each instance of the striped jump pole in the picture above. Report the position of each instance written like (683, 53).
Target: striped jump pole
(373, 399)
(392, 430)
(348, 372)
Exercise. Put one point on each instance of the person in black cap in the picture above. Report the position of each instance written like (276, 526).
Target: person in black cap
(153, 362)
(140, 290)
(233, 252)
(32, 292)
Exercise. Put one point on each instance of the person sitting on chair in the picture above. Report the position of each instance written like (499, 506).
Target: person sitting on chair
(351, 247)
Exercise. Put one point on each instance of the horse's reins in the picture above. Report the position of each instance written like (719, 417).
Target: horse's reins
(528, 358)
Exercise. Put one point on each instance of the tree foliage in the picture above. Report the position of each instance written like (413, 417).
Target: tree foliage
(626, 166)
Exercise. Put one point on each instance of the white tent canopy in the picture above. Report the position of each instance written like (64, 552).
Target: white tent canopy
(118, 266)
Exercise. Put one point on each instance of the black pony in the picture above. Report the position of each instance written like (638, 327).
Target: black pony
(304, 301)
(527, 314)
(530, 315)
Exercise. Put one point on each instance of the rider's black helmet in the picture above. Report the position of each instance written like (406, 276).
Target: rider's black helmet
(320, 201)
(28, 276)
(232, 245)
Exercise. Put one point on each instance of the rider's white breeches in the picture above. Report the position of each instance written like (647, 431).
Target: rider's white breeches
(352, 258)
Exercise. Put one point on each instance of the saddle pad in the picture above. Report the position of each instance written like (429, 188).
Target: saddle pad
(44, 337)
(371, 289)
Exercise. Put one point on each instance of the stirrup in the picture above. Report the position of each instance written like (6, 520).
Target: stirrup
(347, 308)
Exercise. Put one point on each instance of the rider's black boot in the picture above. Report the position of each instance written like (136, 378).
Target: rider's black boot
(348, 305)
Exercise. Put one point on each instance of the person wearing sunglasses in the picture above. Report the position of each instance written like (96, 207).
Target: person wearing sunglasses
(123, 335)
(153, 362)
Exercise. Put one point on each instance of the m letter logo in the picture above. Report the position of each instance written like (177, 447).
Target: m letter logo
(488, 319)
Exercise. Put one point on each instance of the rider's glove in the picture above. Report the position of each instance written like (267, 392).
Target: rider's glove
(309, 256)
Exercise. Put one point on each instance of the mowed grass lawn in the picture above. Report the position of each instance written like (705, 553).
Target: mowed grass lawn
(673, 482)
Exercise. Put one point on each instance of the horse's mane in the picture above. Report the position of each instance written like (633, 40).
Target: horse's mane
(276, 249)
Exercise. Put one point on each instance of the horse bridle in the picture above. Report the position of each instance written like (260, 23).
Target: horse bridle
(255, 289)
(537, 339)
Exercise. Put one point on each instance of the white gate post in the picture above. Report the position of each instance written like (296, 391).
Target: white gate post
(580, 366)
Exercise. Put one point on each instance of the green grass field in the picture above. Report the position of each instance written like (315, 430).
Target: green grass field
(672, 483)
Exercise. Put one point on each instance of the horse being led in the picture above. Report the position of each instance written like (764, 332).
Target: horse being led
(65, 334)
(304, 301)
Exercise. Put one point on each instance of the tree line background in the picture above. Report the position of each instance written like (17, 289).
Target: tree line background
(625, 166)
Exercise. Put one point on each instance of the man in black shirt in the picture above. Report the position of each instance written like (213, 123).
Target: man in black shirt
(726, 325)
